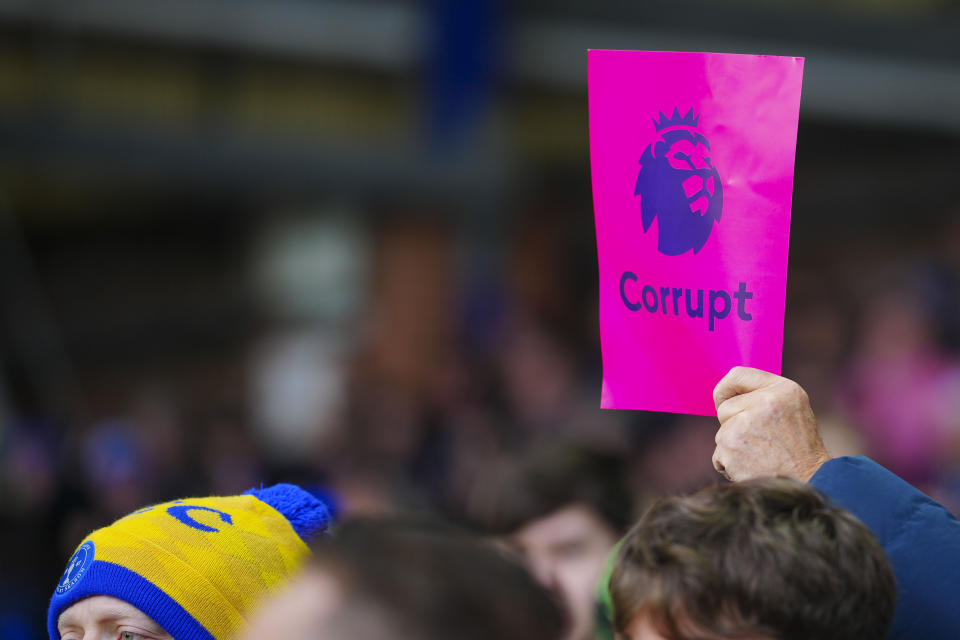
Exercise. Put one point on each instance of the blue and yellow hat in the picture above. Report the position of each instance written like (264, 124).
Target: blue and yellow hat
(196, 566)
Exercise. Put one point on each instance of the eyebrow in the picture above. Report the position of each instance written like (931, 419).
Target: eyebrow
(61, 625)
(138, 617)
(111, 614)
(66, 620)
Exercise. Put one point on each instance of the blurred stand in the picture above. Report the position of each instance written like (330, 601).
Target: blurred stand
(350, 244)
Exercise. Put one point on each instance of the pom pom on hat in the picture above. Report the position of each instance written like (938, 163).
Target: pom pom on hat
(307, 515)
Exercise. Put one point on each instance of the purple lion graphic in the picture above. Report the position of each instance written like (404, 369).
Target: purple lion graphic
(679, 185)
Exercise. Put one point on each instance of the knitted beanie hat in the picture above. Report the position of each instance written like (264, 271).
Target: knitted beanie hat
(196, 566)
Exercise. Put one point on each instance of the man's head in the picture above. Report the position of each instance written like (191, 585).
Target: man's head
(564, 509)
(759, 560)
(189, 569)
(397, 580)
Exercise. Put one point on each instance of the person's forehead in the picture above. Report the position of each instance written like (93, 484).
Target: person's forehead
(299, 610)
(571, 520)
(642, 628)
(97, 608)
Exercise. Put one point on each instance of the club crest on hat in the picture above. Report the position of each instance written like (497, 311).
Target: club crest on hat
(77, 567)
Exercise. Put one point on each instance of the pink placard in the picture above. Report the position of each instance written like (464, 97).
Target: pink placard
(692, 159)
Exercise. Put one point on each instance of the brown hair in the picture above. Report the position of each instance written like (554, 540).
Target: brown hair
(405, 579)
(556, 477)
(766, 557)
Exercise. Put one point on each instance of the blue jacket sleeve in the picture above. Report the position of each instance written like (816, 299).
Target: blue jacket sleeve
(921, 538)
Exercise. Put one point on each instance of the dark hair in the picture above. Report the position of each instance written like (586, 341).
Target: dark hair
(764, 557)
(557, 477)
(425, 581)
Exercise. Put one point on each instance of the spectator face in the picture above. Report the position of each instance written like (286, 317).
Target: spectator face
(106, 618)
(566, 551)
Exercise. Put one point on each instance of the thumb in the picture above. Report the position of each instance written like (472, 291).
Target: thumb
(740, 380)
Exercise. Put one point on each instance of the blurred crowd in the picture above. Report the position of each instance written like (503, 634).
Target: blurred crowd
(445, 380)
(350, 245)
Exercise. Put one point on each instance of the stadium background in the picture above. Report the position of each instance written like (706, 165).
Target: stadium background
(351, 244)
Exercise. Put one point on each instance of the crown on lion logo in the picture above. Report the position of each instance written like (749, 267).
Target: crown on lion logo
(676, 120)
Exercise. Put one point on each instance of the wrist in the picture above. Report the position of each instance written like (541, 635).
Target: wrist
(811, 466)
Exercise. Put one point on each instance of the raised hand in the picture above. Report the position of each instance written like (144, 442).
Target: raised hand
(767, 428)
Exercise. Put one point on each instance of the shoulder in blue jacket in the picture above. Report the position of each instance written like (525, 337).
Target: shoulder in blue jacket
(921, 538)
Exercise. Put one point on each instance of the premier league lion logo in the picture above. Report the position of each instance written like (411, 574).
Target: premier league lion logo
(679, 185)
